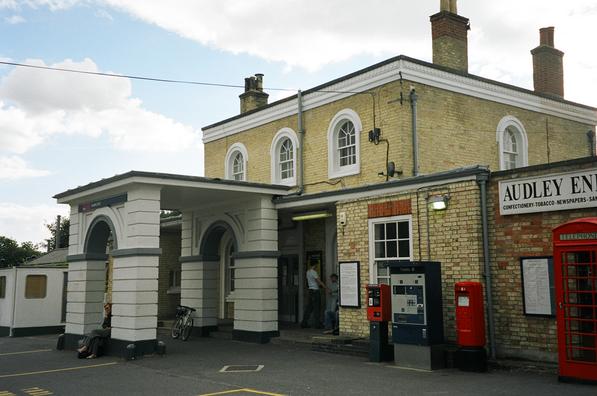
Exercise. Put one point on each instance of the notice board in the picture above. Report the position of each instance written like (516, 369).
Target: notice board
(538, 291)
(350, 296)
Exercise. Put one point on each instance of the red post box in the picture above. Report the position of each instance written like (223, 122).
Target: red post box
(378, 303)
(470, 316)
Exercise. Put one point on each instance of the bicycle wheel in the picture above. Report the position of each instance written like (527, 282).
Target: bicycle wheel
(187, 328)
(176, 328)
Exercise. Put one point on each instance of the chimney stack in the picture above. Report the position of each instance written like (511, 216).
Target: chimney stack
(450, 37)
(253, 97)
(548, 65)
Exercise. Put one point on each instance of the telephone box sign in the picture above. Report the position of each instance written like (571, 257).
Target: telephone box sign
(572, 190)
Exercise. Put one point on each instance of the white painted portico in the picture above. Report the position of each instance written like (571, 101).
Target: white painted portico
(126, 210)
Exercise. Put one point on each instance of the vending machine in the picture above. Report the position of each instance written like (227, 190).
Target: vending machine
(417, 314)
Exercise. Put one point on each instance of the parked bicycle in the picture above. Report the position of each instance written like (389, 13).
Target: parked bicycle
(183, 325)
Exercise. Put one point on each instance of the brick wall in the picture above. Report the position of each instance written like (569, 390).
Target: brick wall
(170, 245)
(450, 135)
(512, 237)
(454, 236)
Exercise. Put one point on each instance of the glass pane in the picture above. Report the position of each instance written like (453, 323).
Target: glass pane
(380, 250)
(392, 249)
(403, 232)
(403, 249)
(382, 269)
(391, 230)
(380, 232)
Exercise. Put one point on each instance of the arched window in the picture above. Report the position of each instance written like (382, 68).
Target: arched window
(283, 157)
(343, 144)
(236, 162)
(513, 144)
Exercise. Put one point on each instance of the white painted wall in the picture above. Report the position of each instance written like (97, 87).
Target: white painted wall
(39, 312)
(6, 303)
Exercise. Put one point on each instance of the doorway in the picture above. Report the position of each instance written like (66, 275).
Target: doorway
(288, 288)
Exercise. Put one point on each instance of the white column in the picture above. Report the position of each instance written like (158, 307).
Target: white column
(199, 290)
(256, 302)
(85, 295)
(256, 275)
(134, 296)
(135, 276)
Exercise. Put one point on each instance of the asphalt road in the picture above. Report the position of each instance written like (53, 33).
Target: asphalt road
(30, 366)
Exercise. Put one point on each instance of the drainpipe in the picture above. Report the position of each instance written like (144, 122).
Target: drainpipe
(591, 137)
(299, 98)
(482, 181)
(413, 106)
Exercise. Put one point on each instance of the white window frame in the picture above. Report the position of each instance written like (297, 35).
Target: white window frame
(284, 133)
(230, 155)
(382, 220)
(334, 168)
(521, 141)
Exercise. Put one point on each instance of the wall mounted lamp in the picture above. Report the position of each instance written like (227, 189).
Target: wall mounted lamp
(438, 202)
(311, 216)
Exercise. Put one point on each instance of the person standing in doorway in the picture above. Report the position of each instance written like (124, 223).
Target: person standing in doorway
(331, 312)
(314, 304)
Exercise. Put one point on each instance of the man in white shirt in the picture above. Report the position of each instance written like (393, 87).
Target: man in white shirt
(314, 303)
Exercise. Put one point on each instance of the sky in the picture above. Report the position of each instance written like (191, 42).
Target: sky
(61, 130)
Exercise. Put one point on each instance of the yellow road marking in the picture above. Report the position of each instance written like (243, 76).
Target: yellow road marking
(23, 352)
(7, 393)
(57, 370)
(37, 391)
(242, 390)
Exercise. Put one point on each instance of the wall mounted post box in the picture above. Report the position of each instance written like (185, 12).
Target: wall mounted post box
(378, 303)
(470, 314)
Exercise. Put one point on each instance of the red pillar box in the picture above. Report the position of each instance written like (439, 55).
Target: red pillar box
(470, 327)
(470, 315)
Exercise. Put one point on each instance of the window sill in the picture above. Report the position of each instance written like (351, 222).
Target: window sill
(344, 171)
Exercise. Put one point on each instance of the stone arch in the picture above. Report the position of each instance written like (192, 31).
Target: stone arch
(209, 247)
(98, 234)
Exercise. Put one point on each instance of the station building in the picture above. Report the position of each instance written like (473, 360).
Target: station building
(348, 171)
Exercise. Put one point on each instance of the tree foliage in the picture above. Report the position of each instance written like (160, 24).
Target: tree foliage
(64, 232)
(11, 253)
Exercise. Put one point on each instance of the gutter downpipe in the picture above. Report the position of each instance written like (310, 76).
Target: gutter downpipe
(413, 106)
(482, 181)
(299, 98)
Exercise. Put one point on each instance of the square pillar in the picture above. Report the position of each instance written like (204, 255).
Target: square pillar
(134, 300)
(256, 296)
(199, 290)
(85, 296)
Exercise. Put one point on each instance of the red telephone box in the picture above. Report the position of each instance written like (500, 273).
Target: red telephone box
(379, 308)
(470, 316)
(575, 271)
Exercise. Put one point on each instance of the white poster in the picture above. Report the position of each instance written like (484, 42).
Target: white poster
(536, 284)
(349, 284)
(563, 191)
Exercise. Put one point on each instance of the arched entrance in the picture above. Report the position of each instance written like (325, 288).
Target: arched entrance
(219, 244)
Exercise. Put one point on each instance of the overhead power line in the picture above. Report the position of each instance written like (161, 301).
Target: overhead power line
(132, 77)
(163, 80)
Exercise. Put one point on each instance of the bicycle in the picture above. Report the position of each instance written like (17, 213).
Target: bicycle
(184, 322)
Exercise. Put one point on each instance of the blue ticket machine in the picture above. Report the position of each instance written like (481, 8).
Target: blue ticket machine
(417, 314)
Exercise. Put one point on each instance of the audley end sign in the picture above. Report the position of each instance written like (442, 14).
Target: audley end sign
(562, 191)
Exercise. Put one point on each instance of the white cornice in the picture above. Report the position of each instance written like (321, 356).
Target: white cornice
(414, 72)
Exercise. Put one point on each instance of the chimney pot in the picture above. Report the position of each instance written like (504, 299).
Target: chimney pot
(449, 33)
(253, 97)
(546, 36)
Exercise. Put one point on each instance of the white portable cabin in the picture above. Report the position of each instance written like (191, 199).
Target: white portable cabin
(33, 299)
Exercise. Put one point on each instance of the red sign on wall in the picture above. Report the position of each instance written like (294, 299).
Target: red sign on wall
(390, 208)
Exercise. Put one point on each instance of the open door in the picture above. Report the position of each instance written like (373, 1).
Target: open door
(575, 269)
(288, 287)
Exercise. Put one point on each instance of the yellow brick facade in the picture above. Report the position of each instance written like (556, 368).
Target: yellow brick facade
(454, 130)
(455, 241)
